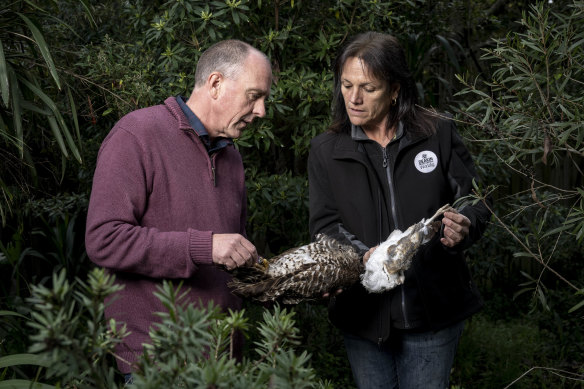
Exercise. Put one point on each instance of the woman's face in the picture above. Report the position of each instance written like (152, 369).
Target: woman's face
(367, 99)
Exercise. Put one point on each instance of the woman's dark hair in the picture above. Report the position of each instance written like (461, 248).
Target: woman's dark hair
(386, 61)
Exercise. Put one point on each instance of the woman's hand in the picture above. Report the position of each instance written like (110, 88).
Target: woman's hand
(456, 228)
(368, 254)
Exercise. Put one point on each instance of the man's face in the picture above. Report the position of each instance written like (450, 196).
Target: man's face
(242, 100)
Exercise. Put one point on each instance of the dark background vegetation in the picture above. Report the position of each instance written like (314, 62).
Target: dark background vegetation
(510, 71)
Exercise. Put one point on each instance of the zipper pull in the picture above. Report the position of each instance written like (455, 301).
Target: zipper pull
(213, 174)
(213, 171)
(384, 156)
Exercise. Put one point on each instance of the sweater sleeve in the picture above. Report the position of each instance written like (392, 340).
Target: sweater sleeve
(115, 237)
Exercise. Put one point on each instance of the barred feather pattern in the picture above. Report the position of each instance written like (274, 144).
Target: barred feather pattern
(302, 273)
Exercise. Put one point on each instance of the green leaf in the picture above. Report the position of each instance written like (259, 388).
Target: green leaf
(449, 51)
(522, 254)
(12, 313)
(24, 384)
(57, 133)
(74, 115)
(577, 306)
(4, 86)
(21, 359)
(16, 112)
(57, 116)
(85, 5)
(40, 41)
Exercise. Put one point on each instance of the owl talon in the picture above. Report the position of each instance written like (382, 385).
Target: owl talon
(262, 264)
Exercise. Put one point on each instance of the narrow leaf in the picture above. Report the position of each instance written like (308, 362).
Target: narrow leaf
(577, 306)
(16, 112)
(4, 86)
(24, 384)
(12, 313)
(42, 44)
(57, 133)
(74, 115)
(85, 5)
(21, 359)
(450, 52)
(57, 116)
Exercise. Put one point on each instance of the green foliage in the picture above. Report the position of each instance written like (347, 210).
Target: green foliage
(493, 354)
(70, 334)
(531, 113)
(34, 100)
(155, 59)
(92, 62)
(190, 346)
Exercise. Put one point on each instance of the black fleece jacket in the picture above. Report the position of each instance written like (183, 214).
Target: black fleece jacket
(365, 191)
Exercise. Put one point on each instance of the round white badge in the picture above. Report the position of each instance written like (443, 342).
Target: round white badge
(426, 161)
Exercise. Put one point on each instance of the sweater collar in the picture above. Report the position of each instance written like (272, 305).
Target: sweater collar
(196, 124)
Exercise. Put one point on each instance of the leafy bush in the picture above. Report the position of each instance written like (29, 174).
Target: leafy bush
(191, 347)
(511, 353)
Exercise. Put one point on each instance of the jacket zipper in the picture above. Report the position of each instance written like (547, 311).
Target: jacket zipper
(213, 172)
(380, 239)
(394, 216)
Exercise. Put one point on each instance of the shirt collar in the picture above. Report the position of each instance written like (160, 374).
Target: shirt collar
(358, 134)
(200, 129)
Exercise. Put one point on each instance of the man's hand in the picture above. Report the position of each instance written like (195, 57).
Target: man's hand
(456, 228)
(233, 250)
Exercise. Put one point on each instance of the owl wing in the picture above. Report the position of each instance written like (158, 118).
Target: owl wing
(264, 287)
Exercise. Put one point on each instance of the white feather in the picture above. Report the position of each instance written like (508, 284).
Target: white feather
(385, 271)
(376, 279)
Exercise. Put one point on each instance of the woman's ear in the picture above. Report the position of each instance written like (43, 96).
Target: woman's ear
(395, 87)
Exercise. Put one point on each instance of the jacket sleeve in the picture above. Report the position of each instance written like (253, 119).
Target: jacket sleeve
(115, 238)
(461, 173)
(324, 215)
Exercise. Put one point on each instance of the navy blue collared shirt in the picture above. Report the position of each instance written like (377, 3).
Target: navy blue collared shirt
(212, 147)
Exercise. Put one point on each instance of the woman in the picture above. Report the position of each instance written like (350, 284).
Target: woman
(385, 163)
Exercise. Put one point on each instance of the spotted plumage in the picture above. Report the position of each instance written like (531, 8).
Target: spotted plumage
(309, 271)
(302, 273)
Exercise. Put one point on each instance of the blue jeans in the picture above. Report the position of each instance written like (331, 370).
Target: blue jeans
(407, 361)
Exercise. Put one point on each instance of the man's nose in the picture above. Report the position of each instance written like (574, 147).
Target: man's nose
(259, 108)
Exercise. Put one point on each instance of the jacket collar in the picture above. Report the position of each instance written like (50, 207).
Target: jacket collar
(350, 146)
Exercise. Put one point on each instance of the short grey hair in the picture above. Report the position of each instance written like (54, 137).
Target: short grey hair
(226, 57)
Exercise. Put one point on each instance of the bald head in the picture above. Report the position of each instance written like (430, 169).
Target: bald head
(226, 57)
(232, 82)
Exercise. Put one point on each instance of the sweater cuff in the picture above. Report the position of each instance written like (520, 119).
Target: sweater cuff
(201, 247)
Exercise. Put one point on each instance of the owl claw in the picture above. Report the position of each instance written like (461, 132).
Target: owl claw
(262, 264)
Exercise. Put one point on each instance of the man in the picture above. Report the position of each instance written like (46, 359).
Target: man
(168, 198)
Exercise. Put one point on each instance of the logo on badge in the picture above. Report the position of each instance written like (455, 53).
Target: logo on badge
(426, 161)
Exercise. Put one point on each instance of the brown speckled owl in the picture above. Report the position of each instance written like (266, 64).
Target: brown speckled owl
(302, 273)
(309, 271)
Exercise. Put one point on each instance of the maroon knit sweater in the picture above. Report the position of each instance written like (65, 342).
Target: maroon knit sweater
(153, 209)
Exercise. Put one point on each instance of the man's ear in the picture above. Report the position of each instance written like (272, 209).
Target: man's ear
(214, 84)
